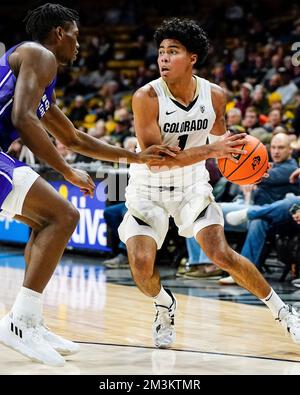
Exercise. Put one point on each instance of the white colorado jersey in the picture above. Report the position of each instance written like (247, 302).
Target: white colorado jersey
(181, 126)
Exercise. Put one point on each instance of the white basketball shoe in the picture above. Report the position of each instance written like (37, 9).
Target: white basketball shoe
(63, 346)
(290, 320)
(28, 340)
(163, 330)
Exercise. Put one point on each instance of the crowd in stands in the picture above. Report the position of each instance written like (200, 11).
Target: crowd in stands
(251, 57)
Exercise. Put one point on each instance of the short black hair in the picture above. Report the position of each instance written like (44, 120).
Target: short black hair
(43, 19)
(187, 32)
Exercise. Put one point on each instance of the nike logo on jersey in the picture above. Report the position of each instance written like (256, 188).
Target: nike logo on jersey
(170, 112)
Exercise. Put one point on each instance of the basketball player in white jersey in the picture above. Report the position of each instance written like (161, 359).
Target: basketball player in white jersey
(182, 109)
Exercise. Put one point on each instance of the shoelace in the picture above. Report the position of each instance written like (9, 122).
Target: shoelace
(166, 317)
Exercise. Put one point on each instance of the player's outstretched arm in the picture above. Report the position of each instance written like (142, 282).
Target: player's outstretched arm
(62, 128)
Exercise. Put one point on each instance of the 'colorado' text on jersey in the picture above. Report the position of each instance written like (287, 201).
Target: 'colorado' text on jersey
(183, 126)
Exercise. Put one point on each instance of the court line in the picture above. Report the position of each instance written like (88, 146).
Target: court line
(191, 351)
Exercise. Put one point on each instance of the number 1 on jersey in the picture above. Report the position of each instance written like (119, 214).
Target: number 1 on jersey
(182, 141)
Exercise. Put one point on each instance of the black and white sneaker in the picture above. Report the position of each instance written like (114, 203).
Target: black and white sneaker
(28, 340)
(163, 330)
(290, 320)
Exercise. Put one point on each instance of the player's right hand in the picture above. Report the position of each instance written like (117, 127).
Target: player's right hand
(81, 179)
(225, 147)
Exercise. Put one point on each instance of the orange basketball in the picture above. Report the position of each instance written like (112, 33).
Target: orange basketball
(250, 167)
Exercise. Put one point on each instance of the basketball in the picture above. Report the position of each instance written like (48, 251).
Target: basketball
(250, 167)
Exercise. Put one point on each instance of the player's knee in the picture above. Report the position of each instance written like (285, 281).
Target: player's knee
(71, 217)
(141, 265)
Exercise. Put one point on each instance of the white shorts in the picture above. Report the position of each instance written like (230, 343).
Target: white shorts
(193, 209)
(23, 179)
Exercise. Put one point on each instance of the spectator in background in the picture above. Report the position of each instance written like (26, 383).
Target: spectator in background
(244, 99)
(288, 88)
(262, 221)
(296, 120)
(78, 111)
(234, 117)
(250, 120)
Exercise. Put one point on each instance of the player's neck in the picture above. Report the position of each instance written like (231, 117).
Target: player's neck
(183, 90)
(52, 49)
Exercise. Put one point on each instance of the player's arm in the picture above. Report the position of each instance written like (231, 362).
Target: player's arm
(36, 69)
(63, 129)
(146, 111)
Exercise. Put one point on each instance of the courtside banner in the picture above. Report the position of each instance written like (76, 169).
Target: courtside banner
(91, 231)
(13, 231)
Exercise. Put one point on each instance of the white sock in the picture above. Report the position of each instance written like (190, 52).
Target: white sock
(28, 306)
(163, 298)
(274, 303)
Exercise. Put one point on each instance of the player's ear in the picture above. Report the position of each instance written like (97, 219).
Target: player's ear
(194, 58)
(59, 32)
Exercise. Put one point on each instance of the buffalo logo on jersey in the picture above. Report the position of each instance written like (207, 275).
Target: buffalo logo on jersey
(186, 126)
(202, 109)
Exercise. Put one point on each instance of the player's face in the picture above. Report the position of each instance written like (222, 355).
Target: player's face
(174, 60)
(70, 44)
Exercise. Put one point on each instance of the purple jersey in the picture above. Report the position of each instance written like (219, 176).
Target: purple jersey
(8, 133)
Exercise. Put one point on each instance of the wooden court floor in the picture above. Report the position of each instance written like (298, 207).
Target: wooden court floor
(113, 324)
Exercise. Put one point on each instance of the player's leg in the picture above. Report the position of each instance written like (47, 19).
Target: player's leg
(212, 240)
(58, 219)
(53, 220)
(142, 241)
(61, 345)
(246, 275)
(141, 253)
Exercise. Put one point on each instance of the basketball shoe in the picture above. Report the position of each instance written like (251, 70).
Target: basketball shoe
(163, 330)
(28, 340)
(63, 346)
(290, 320)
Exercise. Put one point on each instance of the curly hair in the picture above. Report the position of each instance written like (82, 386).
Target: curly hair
(43, 19)
(187, 32)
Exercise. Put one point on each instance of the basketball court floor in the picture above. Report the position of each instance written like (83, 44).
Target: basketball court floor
(220, 330)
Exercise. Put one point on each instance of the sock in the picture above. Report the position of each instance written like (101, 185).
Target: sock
(163, 298)
(274, 303)
(28, 306)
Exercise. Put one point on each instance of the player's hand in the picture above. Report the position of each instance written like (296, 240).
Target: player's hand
(81, 179)
(226, 147)
(154, 154)
(294, 176)
(266, 175)
(296, 217)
